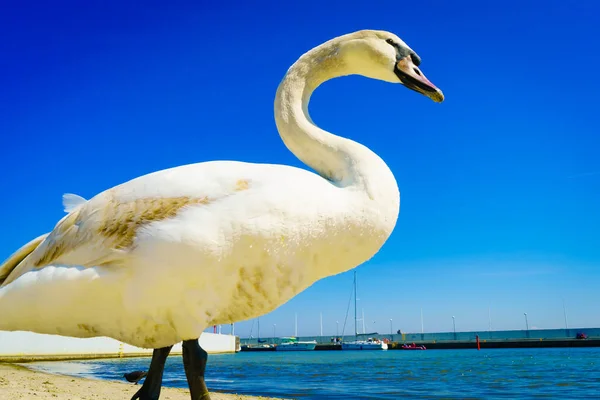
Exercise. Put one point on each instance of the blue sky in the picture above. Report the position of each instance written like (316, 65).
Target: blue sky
(500, 183)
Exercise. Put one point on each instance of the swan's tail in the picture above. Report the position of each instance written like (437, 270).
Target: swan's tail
(18, 256)
(71, 202)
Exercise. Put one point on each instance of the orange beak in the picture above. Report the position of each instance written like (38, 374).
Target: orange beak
(412, 77)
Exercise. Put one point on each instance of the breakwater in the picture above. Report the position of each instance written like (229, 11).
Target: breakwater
(532, 338)
(430, 337)
(503, 344)
(470, 344)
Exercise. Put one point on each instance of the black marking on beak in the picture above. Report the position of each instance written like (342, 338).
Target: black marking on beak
(415, 59)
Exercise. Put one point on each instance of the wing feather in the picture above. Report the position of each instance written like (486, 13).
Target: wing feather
(102, 230)
(18, 256)
(99, 232)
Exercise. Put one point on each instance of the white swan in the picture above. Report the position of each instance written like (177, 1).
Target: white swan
(156, 260)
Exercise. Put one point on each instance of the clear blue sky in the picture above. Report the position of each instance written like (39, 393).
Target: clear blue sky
(500, 183)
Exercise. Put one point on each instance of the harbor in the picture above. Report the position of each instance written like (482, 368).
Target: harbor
(385, 375)
(539, 338)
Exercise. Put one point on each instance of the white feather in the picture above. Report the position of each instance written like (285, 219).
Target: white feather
(71, 202)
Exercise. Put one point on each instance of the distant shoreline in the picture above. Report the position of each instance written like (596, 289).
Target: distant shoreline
(20, 382)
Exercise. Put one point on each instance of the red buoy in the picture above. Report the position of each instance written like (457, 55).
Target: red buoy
(477, 339)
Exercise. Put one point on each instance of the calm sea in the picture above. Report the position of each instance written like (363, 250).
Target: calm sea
(430, 374)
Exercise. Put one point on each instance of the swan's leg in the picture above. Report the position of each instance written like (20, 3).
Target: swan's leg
(194, 362)
(150, 390)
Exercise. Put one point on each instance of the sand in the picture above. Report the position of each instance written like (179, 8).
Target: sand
(18, 382)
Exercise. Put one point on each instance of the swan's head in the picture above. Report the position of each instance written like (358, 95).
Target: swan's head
(384, 56)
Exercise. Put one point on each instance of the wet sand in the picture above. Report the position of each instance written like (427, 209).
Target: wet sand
(18, 382)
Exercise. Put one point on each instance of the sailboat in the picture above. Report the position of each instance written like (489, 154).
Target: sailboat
(293, 344)
(262, 343)
(370, 343)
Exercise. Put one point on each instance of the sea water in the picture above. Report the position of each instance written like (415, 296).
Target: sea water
(392, 374)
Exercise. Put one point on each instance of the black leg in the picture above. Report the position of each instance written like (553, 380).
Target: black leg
(194, 362)
(150, 390)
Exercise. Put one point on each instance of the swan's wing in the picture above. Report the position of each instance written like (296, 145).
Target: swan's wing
(100, 231)
(71, 239)
(18, 256)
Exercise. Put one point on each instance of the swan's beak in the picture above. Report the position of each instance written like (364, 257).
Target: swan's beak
(412, 77)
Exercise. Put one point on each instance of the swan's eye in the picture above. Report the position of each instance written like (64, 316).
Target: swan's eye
(390, 41)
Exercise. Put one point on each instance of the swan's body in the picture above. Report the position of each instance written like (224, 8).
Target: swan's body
(251, 237)
(156, 260)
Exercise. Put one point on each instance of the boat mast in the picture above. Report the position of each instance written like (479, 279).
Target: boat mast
(296, 325)
(355, 320)
(363, 321)
(321, 323)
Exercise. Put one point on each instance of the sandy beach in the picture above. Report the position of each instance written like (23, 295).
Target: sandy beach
(18, 382)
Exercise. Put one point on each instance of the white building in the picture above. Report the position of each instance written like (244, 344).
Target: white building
(28, 346)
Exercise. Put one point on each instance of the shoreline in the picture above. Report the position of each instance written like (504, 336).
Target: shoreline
(18, 381)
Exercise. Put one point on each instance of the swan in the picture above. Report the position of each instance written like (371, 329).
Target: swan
(156, 260)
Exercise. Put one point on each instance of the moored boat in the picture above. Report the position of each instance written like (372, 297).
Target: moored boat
(369, 344)
(413, 347)
(293, 344)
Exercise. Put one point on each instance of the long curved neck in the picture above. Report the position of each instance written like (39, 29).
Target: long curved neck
(326, 153)
(342, 161)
